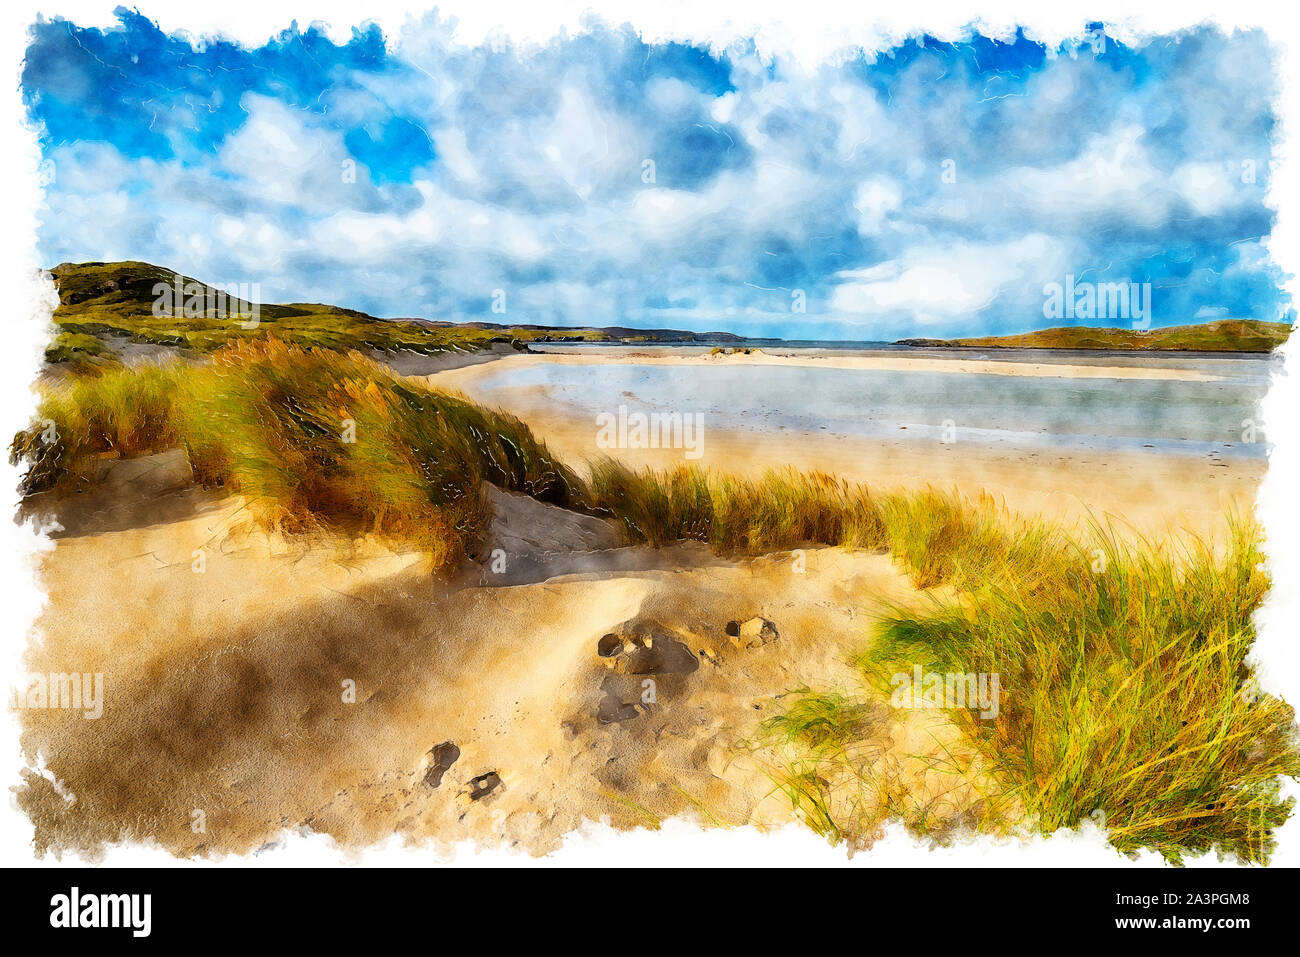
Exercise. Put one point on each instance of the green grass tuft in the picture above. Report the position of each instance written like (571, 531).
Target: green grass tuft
(1125, 687)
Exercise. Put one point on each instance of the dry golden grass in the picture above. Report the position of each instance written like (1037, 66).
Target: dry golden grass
(1125, 685)
(317, 440)
(1125, 691)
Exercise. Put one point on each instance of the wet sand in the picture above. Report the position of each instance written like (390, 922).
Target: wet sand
(1152, 493)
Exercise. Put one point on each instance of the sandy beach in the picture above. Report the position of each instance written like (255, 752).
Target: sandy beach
(226, 689)
(675, 356)
(1149, 492)
(274, 685)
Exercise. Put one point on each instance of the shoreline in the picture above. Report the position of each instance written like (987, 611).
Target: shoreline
(1160, 493)
(637, 355)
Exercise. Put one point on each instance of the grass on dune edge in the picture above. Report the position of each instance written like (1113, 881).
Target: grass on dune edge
(1126, 696)
(1125, 690)
(315, 439)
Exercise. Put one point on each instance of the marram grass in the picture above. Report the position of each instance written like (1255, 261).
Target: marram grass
(315, 439)
(1125, 691)
(1126, 697)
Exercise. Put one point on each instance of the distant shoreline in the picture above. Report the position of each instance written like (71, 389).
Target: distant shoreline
(1047, 481)
(891, 360)
(999, 353)
(107, 314)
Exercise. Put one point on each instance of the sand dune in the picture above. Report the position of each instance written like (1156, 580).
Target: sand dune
(225, 688)
(254, 685)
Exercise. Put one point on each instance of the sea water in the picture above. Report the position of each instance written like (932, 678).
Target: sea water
(1165, 415)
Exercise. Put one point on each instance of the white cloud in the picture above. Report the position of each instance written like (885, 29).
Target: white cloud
(874, 200)
(938, 282)
(278, 157)
(454, 154)
(587, 145)
(816, 179)
(1114, 177)
(1208, 188)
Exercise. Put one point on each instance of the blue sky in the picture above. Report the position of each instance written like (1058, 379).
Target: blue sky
(931, 189)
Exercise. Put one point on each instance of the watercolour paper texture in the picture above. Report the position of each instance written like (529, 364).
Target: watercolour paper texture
(510, 433)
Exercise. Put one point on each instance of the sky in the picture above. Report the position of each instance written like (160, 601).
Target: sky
(930, 189)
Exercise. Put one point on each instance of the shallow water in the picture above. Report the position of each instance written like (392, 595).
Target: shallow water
(1191, 417)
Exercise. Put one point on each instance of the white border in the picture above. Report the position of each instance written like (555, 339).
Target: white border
(809, 30)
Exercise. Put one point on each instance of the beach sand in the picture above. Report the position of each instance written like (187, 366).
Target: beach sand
(227, 720)
(224, 690)
(812, 359)
(1149, 493)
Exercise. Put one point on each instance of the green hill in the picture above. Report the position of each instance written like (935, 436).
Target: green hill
(1222, 335)
(105, 308)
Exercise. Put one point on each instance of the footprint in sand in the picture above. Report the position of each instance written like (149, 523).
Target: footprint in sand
(649, 652)
(637, 652)
(483, 785)
(441, 758)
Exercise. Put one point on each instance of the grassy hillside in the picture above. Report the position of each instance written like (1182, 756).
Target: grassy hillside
(106, 307)
(1223, 335)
